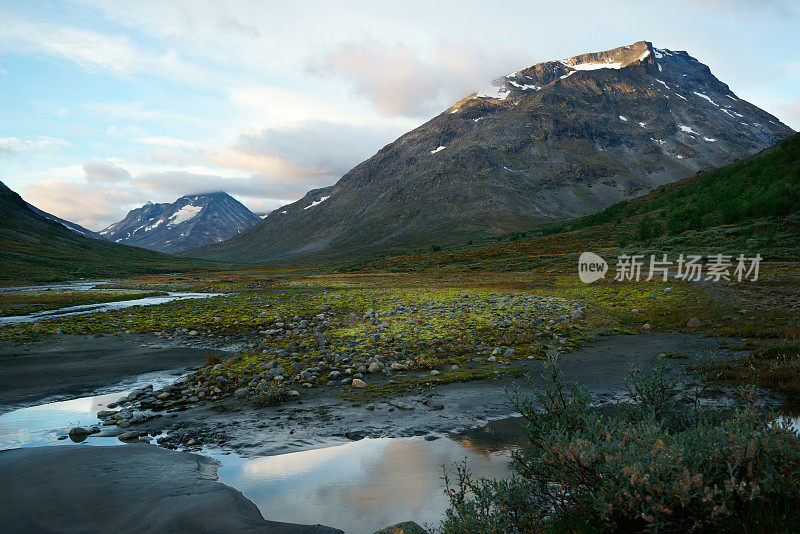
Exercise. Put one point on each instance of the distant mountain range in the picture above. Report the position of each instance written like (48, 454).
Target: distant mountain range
(551, 141)
(191, 221)
(38, 247)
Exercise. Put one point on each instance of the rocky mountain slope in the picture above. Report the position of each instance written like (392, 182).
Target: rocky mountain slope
(551, 141)
(34, 248)
(77, 228)
(191, 221)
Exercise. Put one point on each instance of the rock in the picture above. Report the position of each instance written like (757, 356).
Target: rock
(694, 322)
(162, 396)
(435, 405)
(322, 340)
(241, 392)
(634, 310)
(358, 383)
(102, 414)
(577, 315)
(334, 374)
(491, 359)
(646, 326)
(455, 367)
(510, 353)
(128, 437)
(78, 434)
(398, 367)
(667, 290)
(374, 367)
(369, 407)
(435, 372)
(293, 393)
(406, 527)
(354, 435)
(662, 355)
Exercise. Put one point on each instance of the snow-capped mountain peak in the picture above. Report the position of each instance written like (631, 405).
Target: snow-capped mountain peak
(190, 221)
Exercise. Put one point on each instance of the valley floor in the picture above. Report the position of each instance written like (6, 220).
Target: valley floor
(284, 362)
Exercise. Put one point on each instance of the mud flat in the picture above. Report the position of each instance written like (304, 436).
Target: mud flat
(72, 366)
(135, 488)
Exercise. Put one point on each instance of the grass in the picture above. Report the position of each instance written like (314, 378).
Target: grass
(772, 365)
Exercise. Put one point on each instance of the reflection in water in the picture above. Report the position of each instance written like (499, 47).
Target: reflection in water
(495, 436)
(360, 486)
(42, 425)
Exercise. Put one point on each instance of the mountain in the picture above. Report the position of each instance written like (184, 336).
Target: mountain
(34, 248)
(191, 221)
(552, 141)
(751, 206)
(77, 228)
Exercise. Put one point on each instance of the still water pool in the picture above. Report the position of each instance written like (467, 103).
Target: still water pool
(358, 486)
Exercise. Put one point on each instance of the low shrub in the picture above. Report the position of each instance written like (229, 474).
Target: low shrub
(664, 462)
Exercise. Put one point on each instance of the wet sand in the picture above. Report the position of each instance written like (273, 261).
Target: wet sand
(133, 488)
(72, 366)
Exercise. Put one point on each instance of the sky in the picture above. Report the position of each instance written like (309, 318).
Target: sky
(108, 104)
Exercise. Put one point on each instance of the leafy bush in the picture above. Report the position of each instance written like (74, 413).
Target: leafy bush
(661, 463)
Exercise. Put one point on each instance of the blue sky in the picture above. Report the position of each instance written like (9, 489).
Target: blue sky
(105, 105)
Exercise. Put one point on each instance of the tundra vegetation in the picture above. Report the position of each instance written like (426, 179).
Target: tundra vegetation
(662, 462)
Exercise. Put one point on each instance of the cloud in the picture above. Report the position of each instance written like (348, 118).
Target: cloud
(86, 204)
(105, 171)
(330, 148)
(401, 82)
(95, 51)
(12, 146)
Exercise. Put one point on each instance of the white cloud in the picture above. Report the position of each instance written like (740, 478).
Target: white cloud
(401, 81)
(95, 51)
(86, 204)
(105, 171)
(15, 145)
(332, 148)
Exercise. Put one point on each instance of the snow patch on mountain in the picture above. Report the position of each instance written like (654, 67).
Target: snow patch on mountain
(186, 213)
(317, 202)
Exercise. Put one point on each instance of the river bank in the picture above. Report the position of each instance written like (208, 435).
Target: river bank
(321, 417)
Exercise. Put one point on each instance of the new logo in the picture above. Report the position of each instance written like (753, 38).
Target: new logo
(591, 267)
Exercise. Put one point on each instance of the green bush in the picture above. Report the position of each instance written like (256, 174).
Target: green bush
(661, 463)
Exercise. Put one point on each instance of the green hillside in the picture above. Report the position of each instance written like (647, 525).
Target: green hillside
(36, 249)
